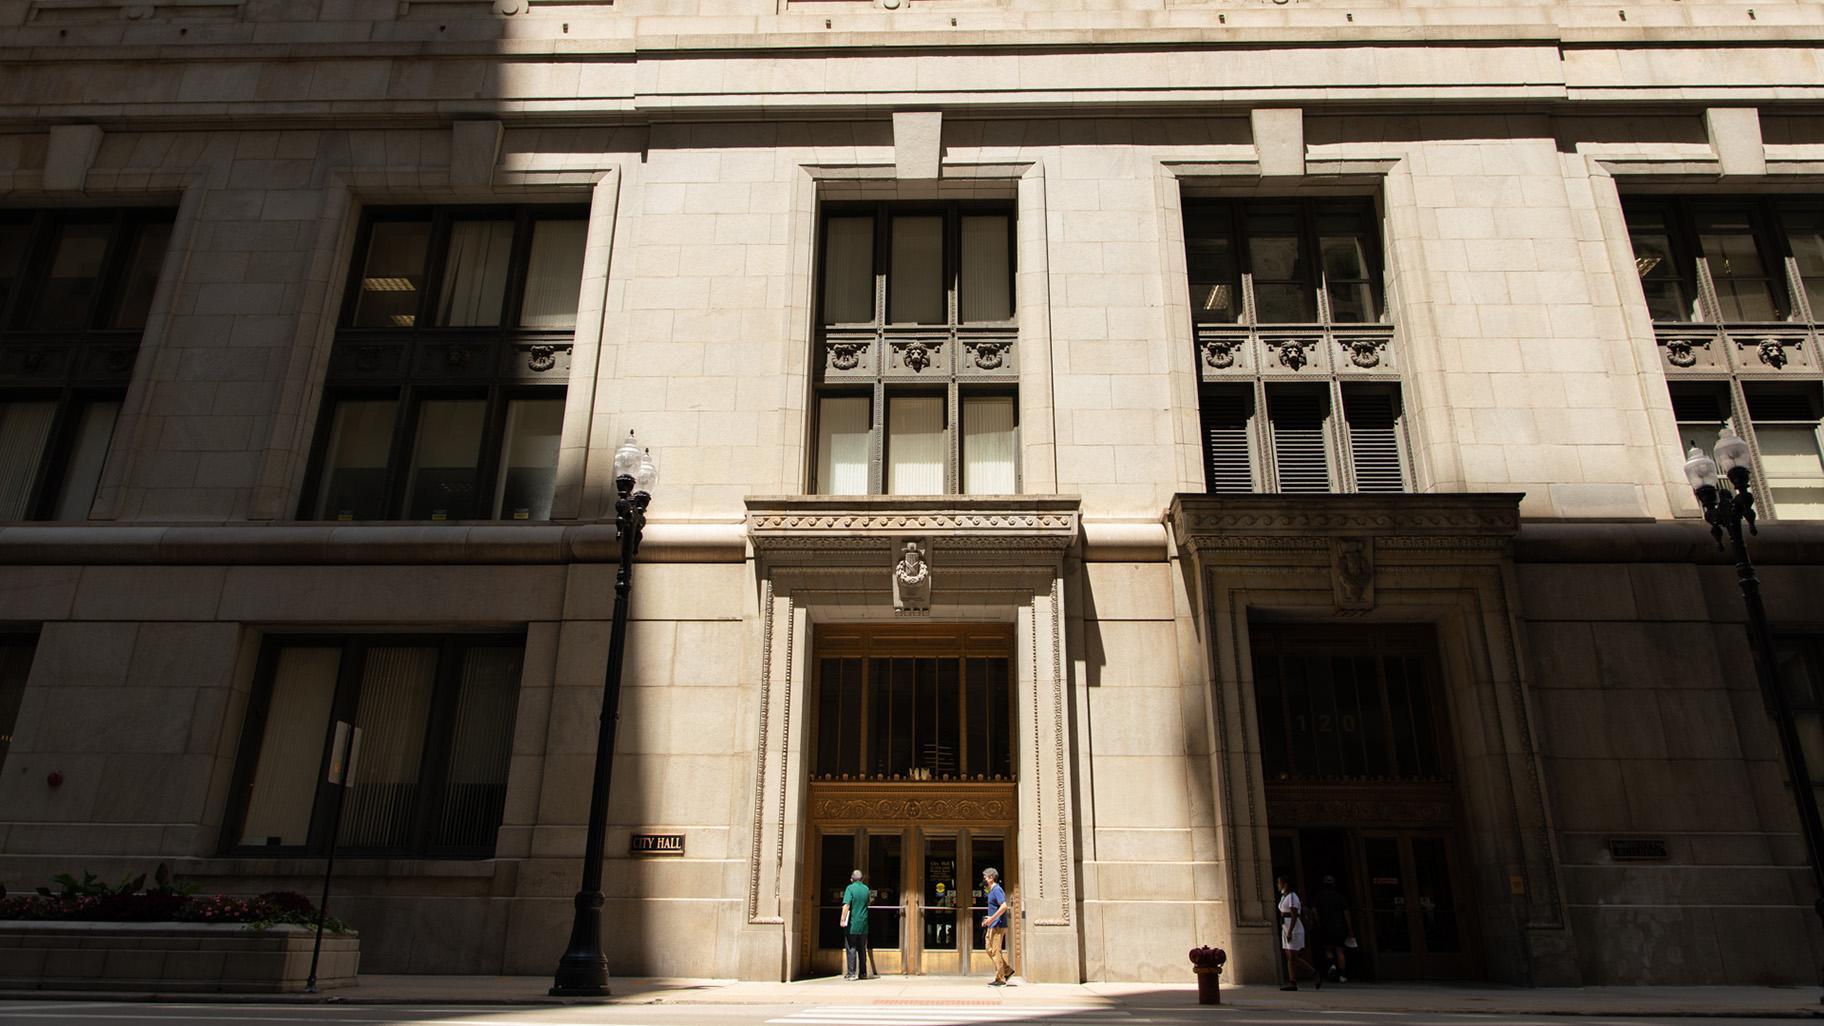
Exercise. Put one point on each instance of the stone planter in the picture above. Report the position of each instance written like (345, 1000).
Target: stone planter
(170, 958)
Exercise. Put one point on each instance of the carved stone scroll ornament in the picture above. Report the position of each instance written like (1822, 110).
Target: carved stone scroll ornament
(989, 354)
(912, 581)
(1220, 352)
(1681, 352)
(846, 355)
(1365, 352)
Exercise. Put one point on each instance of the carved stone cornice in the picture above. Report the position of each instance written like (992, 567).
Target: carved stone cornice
(843, 529)
(1227, 526)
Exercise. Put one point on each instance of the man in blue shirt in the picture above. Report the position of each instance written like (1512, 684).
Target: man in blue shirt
(995, 924)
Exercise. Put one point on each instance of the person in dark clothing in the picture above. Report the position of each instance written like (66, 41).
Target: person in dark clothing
(1333, 927)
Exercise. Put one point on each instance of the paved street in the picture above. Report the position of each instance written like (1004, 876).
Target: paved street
(1170, 1009)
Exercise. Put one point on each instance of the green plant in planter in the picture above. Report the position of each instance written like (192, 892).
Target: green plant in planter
(91, 899)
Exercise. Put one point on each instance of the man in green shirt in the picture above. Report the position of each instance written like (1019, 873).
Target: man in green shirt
(855, 923)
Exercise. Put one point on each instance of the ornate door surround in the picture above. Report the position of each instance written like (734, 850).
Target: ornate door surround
(1441, 560)
(832, 560)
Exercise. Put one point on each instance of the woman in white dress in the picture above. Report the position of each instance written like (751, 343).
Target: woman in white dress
(1292, 935)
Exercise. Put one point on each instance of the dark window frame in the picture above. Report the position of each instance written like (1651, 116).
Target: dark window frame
(1767, 216)
(15, 637)
(1285, 641)
(434, 759)
(954, 375)
(1734, 363)
(1306, 212)
(499, 363)
(866, 645)
(70, 367)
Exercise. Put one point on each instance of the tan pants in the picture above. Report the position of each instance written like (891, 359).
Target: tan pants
(997, 952)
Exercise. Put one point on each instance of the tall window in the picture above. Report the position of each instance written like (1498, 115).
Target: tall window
(889, 709)
(445, 394)
(436, 717)
(75, 289)
(16, 652)
(1338, 705)
(1300, 386)
(1734, 285)
(916, 388)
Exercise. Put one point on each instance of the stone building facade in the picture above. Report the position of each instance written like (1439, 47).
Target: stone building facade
(1285, 401)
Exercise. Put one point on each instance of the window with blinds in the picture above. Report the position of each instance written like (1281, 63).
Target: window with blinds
(1227, 414)
(445, 394)
(1308, 448)
(436, 716)
(1295, 423)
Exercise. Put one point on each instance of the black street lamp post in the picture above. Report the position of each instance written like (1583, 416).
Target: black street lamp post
(1728, 503)
(583, 970)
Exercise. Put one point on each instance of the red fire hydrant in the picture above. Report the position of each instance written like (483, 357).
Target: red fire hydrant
(1207, 963)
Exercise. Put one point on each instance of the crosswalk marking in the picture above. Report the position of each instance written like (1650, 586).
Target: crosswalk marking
(949, 1015)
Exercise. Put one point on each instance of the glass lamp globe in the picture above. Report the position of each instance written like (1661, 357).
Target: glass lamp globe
(648, 474)
(1700, 469)
(1731, 451)
(627, 458)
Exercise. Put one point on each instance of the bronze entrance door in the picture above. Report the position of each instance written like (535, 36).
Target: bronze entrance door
(912, 783)
(926, 903)
(1356, 754)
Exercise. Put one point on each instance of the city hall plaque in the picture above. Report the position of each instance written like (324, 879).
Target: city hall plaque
(656, 845)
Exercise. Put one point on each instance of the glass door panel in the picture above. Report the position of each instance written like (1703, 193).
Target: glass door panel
(985, 850)
(938, 900)
(835, 859)
(1436, 908)
(1387, 897)
(886, 911)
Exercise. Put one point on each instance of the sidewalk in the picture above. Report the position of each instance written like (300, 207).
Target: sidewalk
(1629, 1002)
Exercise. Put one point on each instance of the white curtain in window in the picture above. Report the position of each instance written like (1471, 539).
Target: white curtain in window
(393, 711)
(915, 446)
(528, 459)
(848, 270)
(24, 427)
(987, 270)
(842, 445)
(475, 275)
(1794, 469)
(915, 281)
(988, 453)
(291, 747)
(88, 451)
(554, 274)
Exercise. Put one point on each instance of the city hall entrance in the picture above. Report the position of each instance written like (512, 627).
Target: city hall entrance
(912, 782)
(1356, 757)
